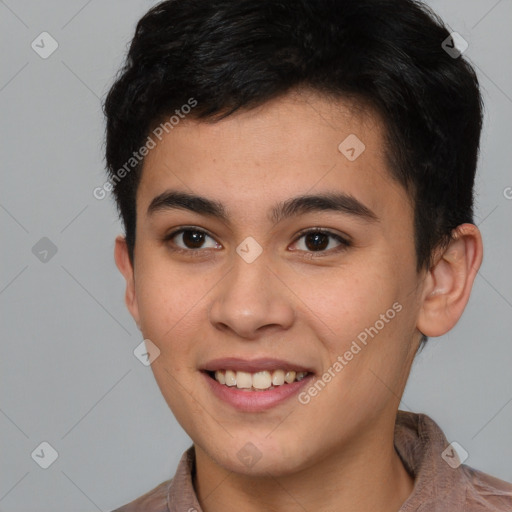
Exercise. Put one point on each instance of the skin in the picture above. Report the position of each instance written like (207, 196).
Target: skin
(336, 452)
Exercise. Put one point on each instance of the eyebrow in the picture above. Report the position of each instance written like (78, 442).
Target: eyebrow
(300, 205)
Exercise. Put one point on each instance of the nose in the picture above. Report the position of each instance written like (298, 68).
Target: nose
(251, 300)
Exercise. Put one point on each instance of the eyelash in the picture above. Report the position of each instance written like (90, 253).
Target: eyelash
(344, 243)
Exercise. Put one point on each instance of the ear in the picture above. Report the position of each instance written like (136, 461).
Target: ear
(448, 282)
(125, 267)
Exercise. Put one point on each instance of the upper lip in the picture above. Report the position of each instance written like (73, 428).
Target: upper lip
(253, 365)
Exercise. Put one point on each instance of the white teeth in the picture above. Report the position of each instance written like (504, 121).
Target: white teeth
(278, 378)
(230, 378)
(289, 376)
(262, 380)
(243, 380)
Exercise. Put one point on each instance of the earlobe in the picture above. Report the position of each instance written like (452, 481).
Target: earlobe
(449, 281)
(124, 265)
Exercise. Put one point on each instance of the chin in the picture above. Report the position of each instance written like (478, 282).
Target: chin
(258, 457)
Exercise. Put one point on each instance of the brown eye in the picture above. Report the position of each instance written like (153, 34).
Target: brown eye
(188, 239)
(318, 240)
(193, 239)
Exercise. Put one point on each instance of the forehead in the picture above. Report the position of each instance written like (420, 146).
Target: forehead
(301, 143)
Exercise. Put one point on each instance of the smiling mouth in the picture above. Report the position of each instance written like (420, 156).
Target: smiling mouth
(256, 381)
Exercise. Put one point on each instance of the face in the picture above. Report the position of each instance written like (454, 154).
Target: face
(325, 286)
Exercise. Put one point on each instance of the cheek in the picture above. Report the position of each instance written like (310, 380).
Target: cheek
(169, 307)
(158, 303)
(164, 296)
(358, 314)
(345, 301)
(173, 301)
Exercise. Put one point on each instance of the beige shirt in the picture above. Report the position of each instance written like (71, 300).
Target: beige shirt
(439, 486)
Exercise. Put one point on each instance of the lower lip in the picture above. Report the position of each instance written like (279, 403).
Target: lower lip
(254, 401)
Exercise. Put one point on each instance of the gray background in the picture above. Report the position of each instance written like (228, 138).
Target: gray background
(69, 376)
